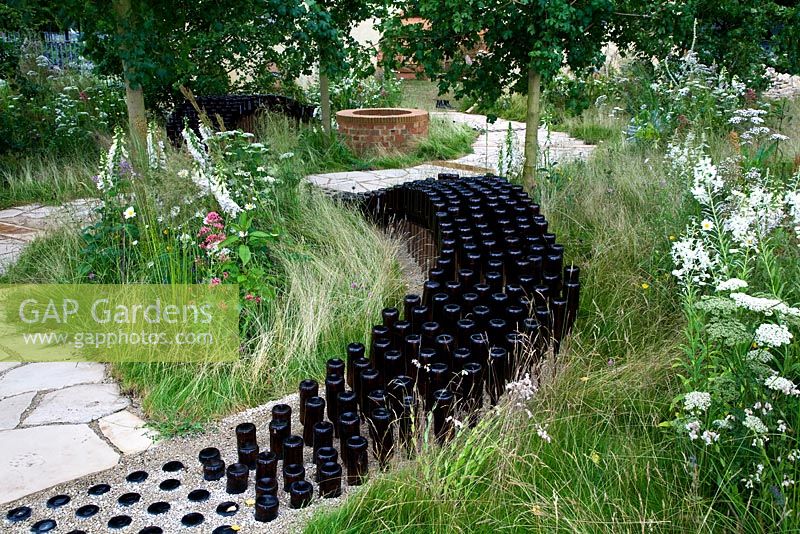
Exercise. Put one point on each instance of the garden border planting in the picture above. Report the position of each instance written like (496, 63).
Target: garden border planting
(494, 304)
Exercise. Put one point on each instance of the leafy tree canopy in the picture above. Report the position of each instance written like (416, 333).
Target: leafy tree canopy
(196, 43)
(480, 48)
(741, 35)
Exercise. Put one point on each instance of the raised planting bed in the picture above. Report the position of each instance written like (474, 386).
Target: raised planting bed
(370, 129)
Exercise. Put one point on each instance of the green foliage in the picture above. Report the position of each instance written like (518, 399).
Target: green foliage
(677, 92)
(483, 49)
(196, 44)
(350, 91)
(739, 371)
(741, 35)
(43, 108)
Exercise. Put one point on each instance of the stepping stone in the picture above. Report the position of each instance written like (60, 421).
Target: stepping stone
(49, 375)
(5, 366)
(10, 213)
(11, 409)
(36, 458)
(77, 404)
(127, 432)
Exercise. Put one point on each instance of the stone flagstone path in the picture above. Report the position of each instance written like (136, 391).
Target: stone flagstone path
(60, 421)
(21, 224)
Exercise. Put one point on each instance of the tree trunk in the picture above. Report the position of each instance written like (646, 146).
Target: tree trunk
(324, 100)
(134, 95)
(137, 119)
(532, 129)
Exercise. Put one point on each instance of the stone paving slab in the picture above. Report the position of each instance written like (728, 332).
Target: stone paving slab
(39, 457)
(5, 366)
(43, 376)
(77, 404)
(127, 432)
(21, 224)
(555, 147)
(12, 408)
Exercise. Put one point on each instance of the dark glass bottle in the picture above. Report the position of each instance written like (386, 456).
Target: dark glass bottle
(292, 473)
(213, 469)
(419, 316)
(442, 415)
(293, 450)
(398, 389)
(282, 412)
(355, 352)
(334, 384)
(349, 426)
(308, 388)
(472, 385)
(315, 413)
(266, 508)
(248, 455)
(438, 378)
(496, 330)
(348, 402)
(369, 380)
(411, 348)
(409, 303)
(439, 301)
(266, 465)
(323, 437)
(464, 330)
(382, 435)
(498, 373)
(325, 455)
(245, 435)
(266, 486)
(430, 330)
(237, 478)
(330, 480)
(405, 423)
(357, 460)
(451, 314)
(401, 330)
(301, 492)
(278, 431)
(336, 367)
(390, 317)
(393, 365)
(209, 453)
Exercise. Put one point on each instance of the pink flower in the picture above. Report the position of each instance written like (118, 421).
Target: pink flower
(211, 240)
(212, 218)
(215, 281)
(225, 275)
(249, 296)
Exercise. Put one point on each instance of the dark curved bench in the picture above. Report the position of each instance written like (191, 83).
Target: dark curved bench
(236, 111)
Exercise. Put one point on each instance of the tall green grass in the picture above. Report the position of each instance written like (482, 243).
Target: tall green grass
(609, 467)
(316, 152)
(337, 272)
(46, 179)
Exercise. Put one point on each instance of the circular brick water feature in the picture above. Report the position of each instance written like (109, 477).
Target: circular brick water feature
(382, 128)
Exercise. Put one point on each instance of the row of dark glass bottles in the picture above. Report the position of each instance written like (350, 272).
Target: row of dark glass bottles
(497, 298)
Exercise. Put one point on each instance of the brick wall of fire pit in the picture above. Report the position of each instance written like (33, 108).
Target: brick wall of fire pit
(369, 129)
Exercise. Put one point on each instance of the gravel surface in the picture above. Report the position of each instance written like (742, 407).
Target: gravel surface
(185, 450)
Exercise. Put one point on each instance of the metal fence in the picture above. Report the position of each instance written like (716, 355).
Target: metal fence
(62, 49)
